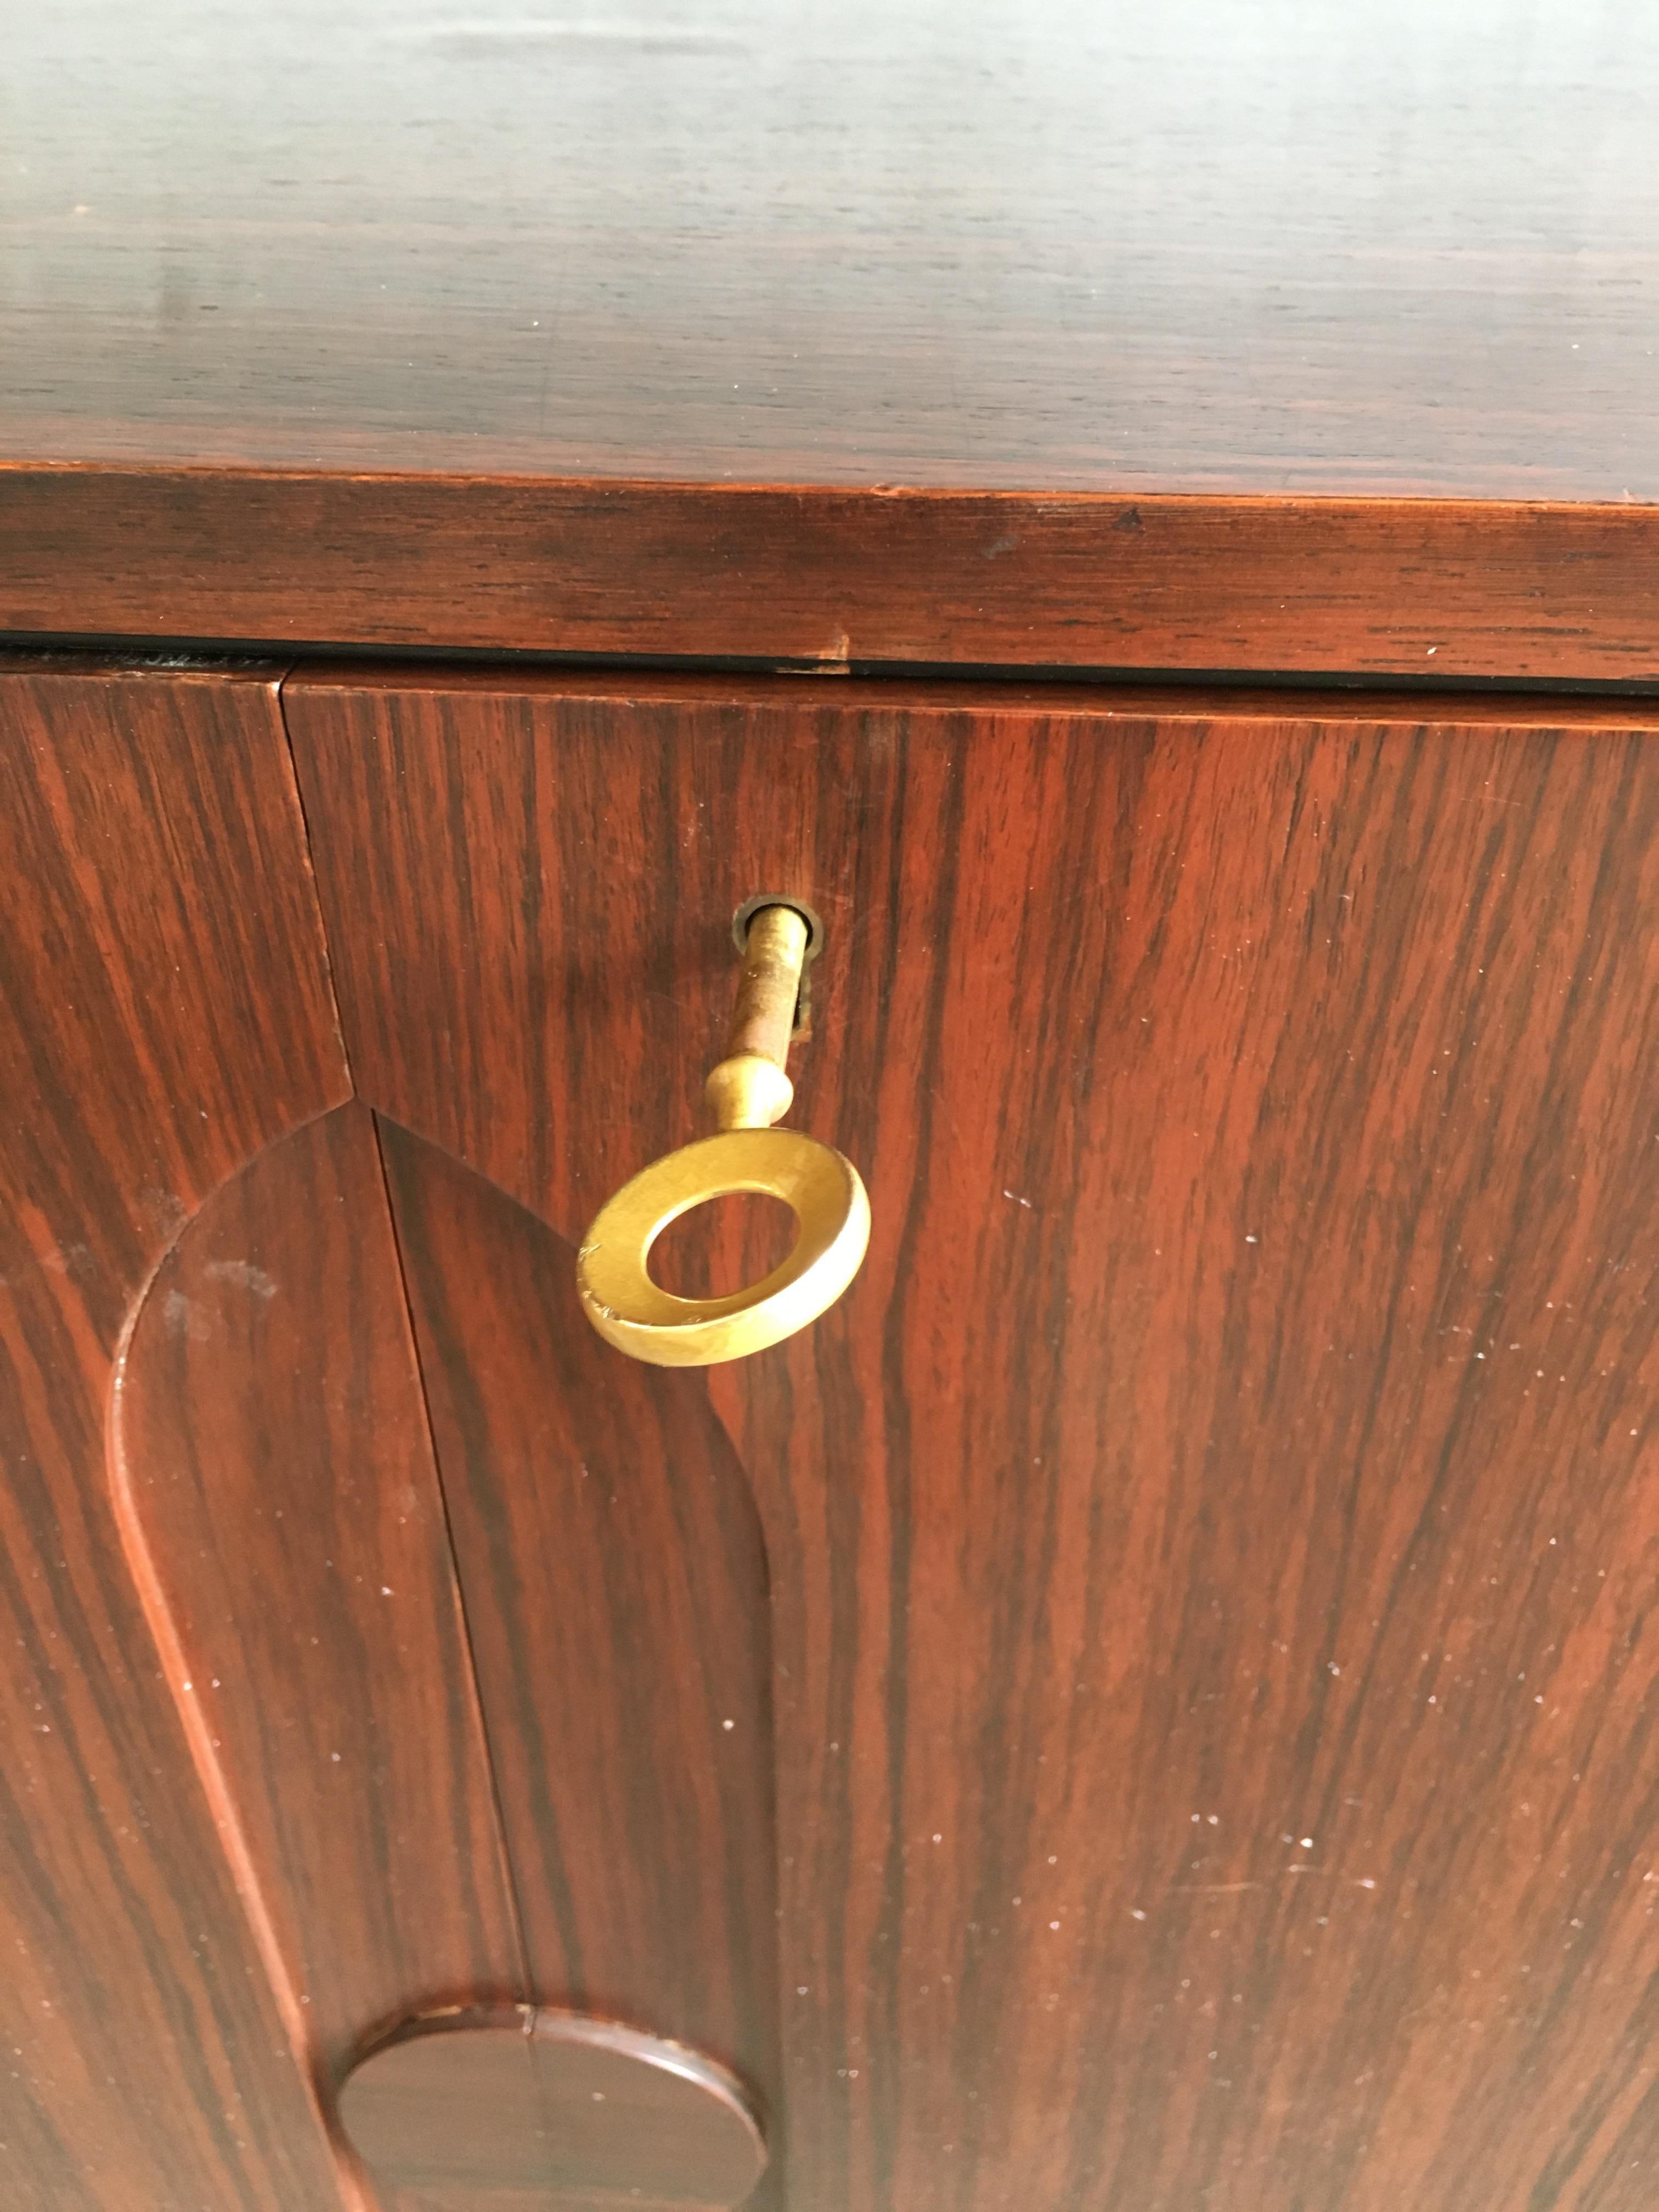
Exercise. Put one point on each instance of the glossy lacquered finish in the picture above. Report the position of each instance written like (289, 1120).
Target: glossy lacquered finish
(1186, 248)
(274, 1479)
(1174, 336)
(831, 581)
(614, 1572)
(164, 1015)
(1148, 1700)
(1198, 1580)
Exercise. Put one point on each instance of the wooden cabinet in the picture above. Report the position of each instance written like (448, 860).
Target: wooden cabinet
(1146, 1700)
(1143, 521)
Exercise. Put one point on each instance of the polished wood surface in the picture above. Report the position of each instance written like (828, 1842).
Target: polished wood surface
(551, 2112)
(470, 331)
(275, 1479)
(610, 1556)
(1416, 589)
(1196, 248)
(1211, 1545)
(164, 1015)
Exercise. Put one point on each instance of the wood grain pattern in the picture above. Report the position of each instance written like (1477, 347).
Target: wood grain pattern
(277, 1490)
(1212, 1544)
(1175, 337)
(612, 1560)
(494, 2112)
(829, 579)
(164, 1013)
(1397, 249)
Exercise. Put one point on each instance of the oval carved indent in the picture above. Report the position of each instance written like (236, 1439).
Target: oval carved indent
(482, 2111)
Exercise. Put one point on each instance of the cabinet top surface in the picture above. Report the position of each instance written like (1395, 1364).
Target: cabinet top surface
(1291, 248)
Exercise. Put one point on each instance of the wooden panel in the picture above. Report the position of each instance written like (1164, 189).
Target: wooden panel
(277, 1486)
(164, 1013)
(547, 2111)
(615, 1582)
(829, 579)
(649, 335)
(1211, 1545)
(1179, 248)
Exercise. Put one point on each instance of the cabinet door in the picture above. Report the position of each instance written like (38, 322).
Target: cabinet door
(165, 1016)
(1148, 1701)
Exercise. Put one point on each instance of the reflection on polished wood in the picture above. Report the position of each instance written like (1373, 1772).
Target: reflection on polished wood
(616, 1583)
(164, 1016)
(1392, 248)
(282, 1509)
